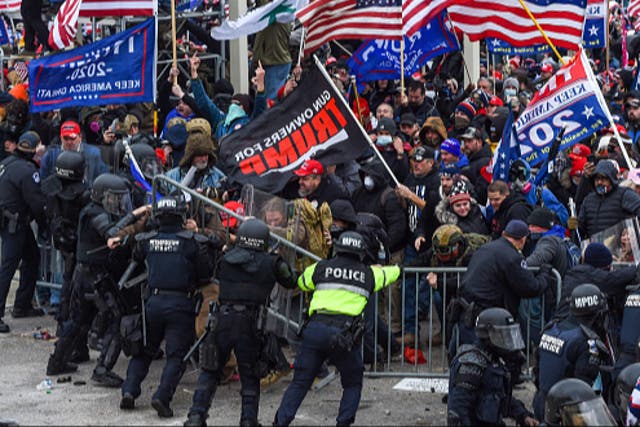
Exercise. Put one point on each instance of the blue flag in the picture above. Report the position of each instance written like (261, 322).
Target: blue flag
(4, 34)
(501, 47)
(186, 5)
(595, 27)
(380, 59)
(507, 151)
(116, 70)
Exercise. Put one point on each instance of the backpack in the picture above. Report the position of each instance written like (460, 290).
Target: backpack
(573, 253)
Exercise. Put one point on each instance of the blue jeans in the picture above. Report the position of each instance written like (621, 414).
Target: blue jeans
(316, 347)
(275, 76)
(424, 298)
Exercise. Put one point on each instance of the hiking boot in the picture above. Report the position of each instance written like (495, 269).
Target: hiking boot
(195, 420)
(4, 328)
(80, 356)
(127, 402)
(163, 409)
(106, 379)
(56, 367)
(249, 422)
(273, 377)
(18, 313)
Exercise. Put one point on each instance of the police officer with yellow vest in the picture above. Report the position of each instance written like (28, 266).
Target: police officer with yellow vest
(341, 287)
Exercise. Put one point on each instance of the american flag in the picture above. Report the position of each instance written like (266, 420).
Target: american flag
(633, 11)
(10, 6)
(326, 20)
(103, 8)
(65, 25)
(562, 21)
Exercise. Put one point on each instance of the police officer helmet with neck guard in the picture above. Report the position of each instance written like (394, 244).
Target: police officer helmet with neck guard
(625, 383)
(573, 402)
(70, 166)
(497, 328)
(253, 234)
(146, 158)
(588, 304)
(170, 210)
(112, 193)
(350, 243)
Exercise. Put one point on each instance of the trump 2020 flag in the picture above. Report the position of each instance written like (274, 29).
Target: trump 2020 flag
(595, 28)
(116, 70)
(380, 59)
(571, 100)
(501, 47)
(313, 121)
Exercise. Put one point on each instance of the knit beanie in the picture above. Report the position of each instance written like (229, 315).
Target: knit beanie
(451, 146)
(466, 108)
(598, 255)
(511, 82)
(459, 193)
(542, 217)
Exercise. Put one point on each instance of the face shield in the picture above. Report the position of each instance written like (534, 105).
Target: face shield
(593, 412)
(150, 167)
(117, 202)
(506, 338)
(447, 253)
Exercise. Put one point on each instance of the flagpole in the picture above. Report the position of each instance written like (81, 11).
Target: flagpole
(603, 104)
(606, 52)
(355, 91)
(301, 50)
(544, 35)
(173, 37)
(402, 65)
(353, 116)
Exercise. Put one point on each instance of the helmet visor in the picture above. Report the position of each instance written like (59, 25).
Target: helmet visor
(506, 337)
(593, 412)
(150, 167)
(117, 202)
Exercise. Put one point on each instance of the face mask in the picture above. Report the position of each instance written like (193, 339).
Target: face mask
(235, 111)
(535, 236)
(384, 140)
(509, 92)
(369, 184)
(602, 189)
(201, 165)
(461, 122)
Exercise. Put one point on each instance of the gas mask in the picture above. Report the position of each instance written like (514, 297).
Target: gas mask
(369, 183)
(384, 140)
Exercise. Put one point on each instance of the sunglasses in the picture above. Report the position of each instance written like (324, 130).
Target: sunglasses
(632, 104)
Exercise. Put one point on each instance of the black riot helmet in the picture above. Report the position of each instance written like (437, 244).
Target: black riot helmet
(146, 158)
(170, 210)
(498, 327)
(253, 234)
(625, 384)
(112, 193)
(350, 243)
(70, 165)
(588, 304)
(572, 402)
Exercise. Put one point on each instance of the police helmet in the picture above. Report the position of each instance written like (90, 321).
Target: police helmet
(625, 384)
(70, 165)
(587, 301)
(573, 402)
(146, 158)
(448, 242)
(498, 327)
(112, 193)
(350, 242)
(253, 234)
(171, 209)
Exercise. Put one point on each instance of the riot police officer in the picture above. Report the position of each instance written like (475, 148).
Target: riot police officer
(574, 347)
(67, 193)
(100, 228)
(572, 402)
(150, 166)
(625, 383)
(177, 262)
(21, 200)
(480, 384)
(247, 275)
(341, 288)
(629, 331)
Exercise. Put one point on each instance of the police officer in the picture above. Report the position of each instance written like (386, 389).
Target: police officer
(625, 383)
(150, 166)
(629, 331)
(575, 347)
(247, 275)
(21, 200)
(572, 402)
(341, 287)
(177, 262)
(67, 193)
(100, 227)
(480, 384)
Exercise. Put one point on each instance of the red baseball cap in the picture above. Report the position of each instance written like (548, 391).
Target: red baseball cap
(70, 128)
(496, 102)
(228, 220)
(547, 68)
(310, 167)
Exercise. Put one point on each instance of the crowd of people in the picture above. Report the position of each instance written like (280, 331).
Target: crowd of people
(422, 195)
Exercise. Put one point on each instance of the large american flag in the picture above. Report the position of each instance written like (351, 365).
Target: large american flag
(633, 11)
(562, 21)
(326, 20)
(65, 25)
(103, 8)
